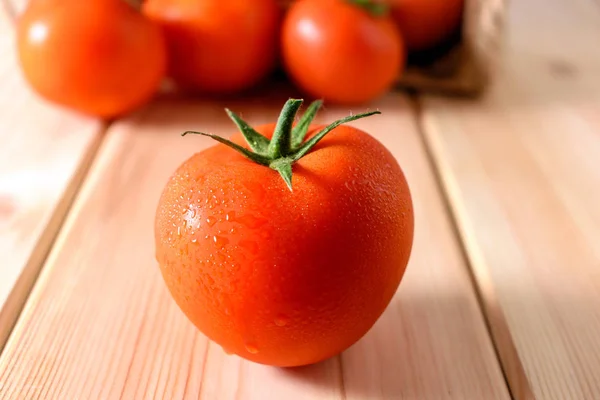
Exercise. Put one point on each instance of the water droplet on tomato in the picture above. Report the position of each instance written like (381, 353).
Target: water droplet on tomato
(220, 240)
(281, 320)
(178, 231)
(230, 216)
(251, 348)
(211, 221)
(194, 240)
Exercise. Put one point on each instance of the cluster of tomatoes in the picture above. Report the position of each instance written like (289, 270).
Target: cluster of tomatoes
(109, 57)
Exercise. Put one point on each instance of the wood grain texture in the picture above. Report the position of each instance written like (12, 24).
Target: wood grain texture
(522, 169)
(101, 325)
(43, 155)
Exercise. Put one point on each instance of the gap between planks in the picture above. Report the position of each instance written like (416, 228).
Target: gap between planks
(12, 307)
(536, 270)
(21, 271)
(497, 327)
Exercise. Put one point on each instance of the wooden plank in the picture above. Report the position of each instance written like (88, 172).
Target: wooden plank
(522, 170)
(44, 152)
(100, 323)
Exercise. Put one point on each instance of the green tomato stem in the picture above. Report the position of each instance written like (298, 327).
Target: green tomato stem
(257, 142)
(287, 145)
(281, 143)
(375, 8)
(301, 129)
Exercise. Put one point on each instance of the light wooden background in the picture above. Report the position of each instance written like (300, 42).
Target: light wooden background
(501, 298)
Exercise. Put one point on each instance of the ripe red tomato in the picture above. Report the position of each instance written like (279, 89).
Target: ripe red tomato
(426, 23)
(218, 46)
(340, 52)
(98, 57)
(284, 277)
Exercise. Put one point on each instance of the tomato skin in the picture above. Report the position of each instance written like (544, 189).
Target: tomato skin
(100, 58)
(218, 46)
(286, 278)
(337, 51)
(427, 23)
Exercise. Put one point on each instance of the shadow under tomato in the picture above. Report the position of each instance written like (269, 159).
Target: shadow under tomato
(420, 348)
(324, 378)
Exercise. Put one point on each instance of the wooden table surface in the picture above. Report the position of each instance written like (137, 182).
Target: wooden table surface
(501, 298)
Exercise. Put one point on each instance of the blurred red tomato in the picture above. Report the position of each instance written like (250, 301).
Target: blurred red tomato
(339, 51)
(426, 23)
(98, 57)
(218, 46)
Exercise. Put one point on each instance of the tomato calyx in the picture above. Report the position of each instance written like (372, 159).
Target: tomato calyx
(287, 144)
(375, 8)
